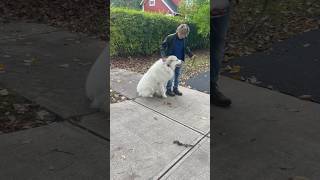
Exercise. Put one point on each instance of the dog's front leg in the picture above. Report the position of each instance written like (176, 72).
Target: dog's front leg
(163, 91)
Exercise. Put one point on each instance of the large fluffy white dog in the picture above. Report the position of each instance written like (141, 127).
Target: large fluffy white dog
(153, 82)
(96, 83)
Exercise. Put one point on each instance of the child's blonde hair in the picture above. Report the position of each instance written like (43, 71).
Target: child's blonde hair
(184, 29)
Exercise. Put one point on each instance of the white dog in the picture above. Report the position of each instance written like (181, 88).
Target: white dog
(153, 82)
(96, 83)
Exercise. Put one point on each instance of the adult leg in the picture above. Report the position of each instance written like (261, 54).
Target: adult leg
(219, 27)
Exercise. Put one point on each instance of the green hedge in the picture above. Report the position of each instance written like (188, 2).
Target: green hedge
(139, 33)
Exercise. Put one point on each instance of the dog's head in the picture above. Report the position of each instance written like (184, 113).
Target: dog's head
(172, 62)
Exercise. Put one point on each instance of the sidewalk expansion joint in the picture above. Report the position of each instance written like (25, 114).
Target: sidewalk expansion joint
(74, 123)
(179, 158)
(189, 127)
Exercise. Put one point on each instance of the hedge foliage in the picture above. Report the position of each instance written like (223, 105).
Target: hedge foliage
(135, 32)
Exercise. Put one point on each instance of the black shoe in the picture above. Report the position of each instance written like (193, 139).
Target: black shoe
(170, 93)
(219, 99)
(177, 92)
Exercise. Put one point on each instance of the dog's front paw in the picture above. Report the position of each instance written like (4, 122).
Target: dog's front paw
(164, 96)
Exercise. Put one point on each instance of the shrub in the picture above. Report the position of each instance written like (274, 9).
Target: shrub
(140, 33)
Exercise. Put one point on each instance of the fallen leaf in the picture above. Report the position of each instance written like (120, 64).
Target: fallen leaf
(4, 92)
(12, 118)
(237, 77)
(27, 141)
(253, 80)
(27, 61)
(298, 178)
(64, 65)
(84, 64)
(306, 45)
(70, 39)
(1, 67)
(228, 68)
(270, 87)
(306, 97)
(20, 108)
(235, 69)
(42, 114)
(27, 126)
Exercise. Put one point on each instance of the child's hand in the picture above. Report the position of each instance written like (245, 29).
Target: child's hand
(164, 59)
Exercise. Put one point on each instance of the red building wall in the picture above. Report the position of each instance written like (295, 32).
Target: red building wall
(159, 7)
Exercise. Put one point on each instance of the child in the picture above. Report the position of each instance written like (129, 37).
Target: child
(175, 44)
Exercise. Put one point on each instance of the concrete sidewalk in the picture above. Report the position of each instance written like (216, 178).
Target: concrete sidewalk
(143, 132)
(56, 151)
(265, 135)
(49, 66)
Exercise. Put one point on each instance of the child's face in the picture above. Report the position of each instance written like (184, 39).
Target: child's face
(181, 35)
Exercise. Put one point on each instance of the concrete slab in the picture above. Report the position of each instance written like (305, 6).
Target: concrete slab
(52, 70)
(97, 122)
(265, 135)
(124, 82)
(19, 30)
(57, 151)
(196, 164)
(142, 141)
(192, 109)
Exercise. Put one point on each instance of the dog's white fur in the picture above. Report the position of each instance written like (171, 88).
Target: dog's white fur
(96, 83)
(153, 82)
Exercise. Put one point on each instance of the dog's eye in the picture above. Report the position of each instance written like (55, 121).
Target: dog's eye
(168, 65)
